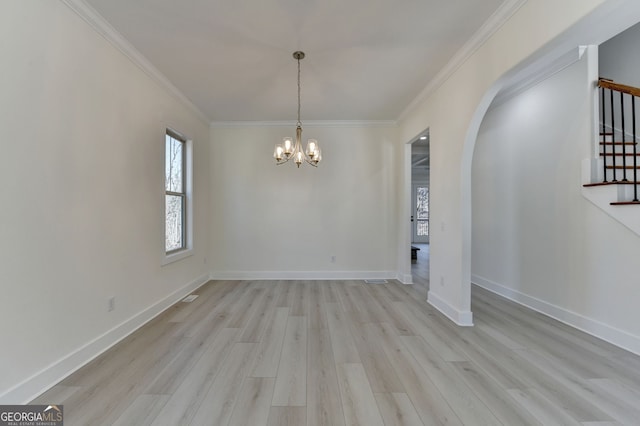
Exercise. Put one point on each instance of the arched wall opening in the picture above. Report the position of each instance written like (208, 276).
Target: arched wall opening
(454, 112)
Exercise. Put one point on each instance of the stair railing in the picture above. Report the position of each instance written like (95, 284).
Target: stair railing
(627, 95)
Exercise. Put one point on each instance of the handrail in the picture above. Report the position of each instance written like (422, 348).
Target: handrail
(618, 144)
(610, 84)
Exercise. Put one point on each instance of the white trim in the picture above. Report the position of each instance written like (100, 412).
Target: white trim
(106, 30)
(35, 385)
(174, 257)
(603, 195)
(405, 278)
(534, 75)
(462, 318)
(310, 123)
(493, 24)
(591, 326)
(303, 275)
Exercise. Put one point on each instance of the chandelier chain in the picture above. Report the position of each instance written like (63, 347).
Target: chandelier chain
(298, 92)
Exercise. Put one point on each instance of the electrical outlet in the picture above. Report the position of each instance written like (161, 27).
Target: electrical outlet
(111, 304)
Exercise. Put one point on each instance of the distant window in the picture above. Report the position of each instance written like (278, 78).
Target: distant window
(423, 211)
(175, 192)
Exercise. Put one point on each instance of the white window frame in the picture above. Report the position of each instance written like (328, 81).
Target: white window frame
(187, 250)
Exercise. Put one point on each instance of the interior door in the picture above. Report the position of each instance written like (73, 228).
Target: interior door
(420, 215)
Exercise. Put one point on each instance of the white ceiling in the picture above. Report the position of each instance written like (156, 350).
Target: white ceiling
(366, 59)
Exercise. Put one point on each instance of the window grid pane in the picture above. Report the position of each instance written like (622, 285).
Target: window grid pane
(174, 165)
(174, 225)
(423, 228)
(423, 203)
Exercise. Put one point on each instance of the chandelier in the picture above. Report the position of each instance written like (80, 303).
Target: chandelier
(289, 149)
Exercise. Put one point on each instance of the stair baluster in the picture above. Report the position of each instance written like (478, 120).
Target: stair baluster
(635, 150)
(618, 139)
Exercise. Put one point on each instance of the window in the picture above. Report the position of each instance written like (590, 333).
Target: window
(175, 187)
(423, 211)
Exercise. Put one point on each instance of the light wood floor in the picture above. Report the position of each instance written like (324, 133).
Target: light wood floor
(420, 269)
(348, 353)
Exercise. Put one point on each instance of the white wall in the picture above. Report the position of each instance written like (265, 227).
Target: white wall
(273, 221)
(619, 58)
(538, 32)
(536, 239)
(82, 195)
(619, 61)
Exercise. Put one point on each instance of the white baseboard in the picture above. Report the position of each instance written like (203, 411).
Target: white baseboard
(404, 278)
(462, 318)
(302, 275)
(615, 336)
(49, 376)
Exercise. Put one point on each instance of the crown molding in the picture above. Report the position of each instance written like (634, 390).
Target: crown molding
(311, 123)
(106, 30)
(491, 25)
(534, 75)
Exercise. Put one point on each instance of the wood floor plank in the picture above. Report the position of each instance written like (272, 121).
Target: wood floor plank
(391, 314)
(323, 392)
(291, 380)
(258, 321)
(287, 416)
(254, 402)
(329, 292)
(174, 373)
(270, 347)
(299, 303)
(546, 412)
(185, 400)
(501, 404)
(628, 397)
(345, 300)
(344, 348)
(381, 374)
(217, 404)
(358, 403)
(144, 409)
(285, 294)
(246, 307)
(397, 410)
(118, 357)
(317, 313)
(568, 388)
(492, 358)
(438, 338)
(469, 408)
(122, 387)
(432, 408)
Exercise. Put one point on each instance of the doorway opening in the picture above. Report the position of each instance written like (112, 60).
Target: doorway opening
(420, 211)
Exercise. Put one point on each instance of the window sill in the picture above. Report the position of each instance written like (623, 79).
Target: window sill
(174, 257)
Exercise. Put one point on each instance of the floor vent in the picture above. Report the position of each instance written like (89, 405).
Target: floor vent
(376, 281)
(190, 298)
